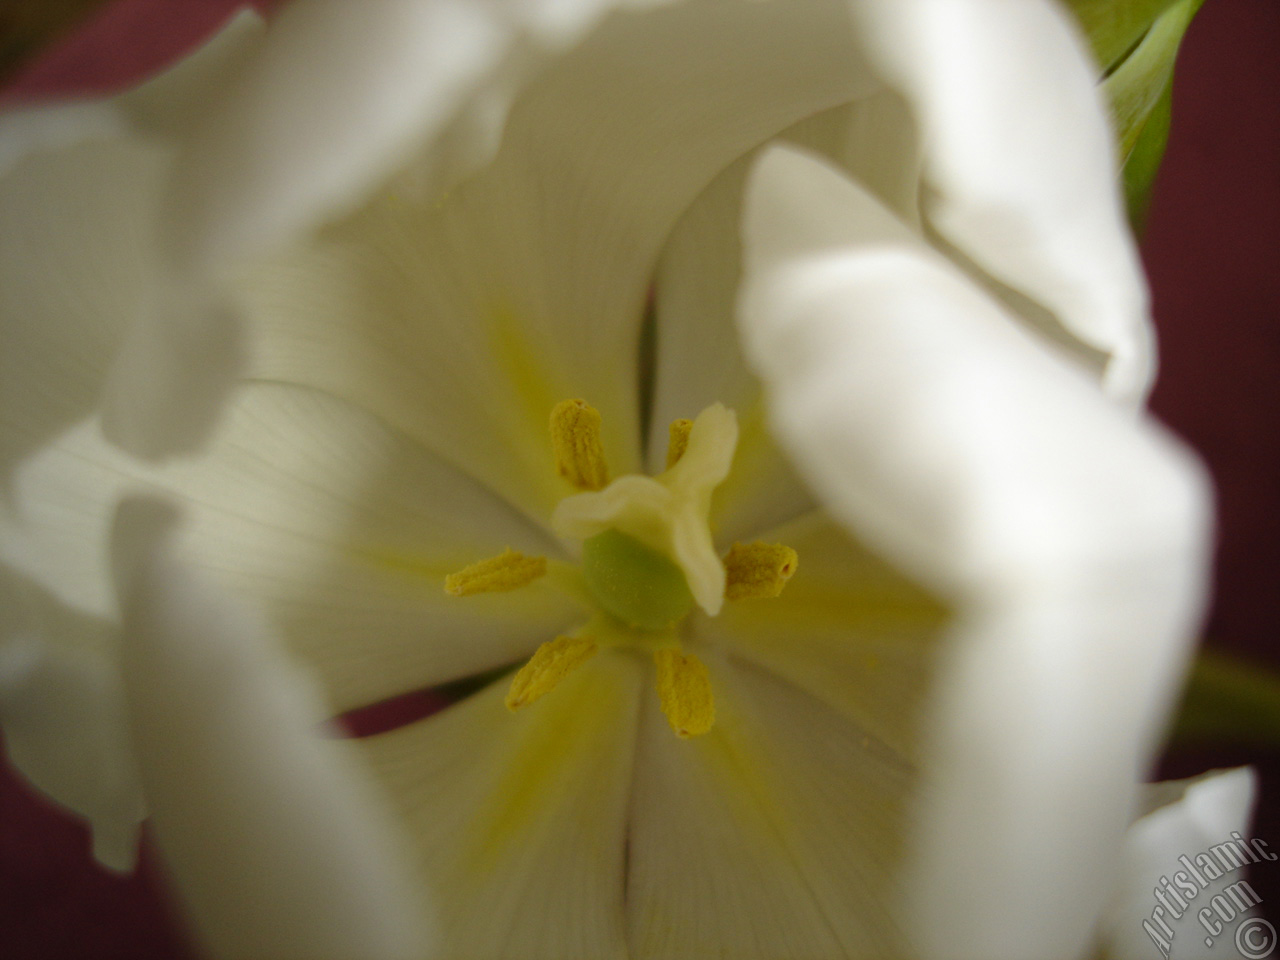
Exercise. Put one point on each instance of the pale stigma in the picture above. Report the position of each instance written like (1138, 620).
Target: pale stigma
(509, 570)
(758, 570)
(684, 688)
(550, 663)
(667, 513)
(575, 441)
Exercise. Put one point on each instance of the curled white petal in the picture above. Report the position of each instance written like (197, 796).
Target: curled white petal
(1070, 538)
(1019, 155)
(274, 842)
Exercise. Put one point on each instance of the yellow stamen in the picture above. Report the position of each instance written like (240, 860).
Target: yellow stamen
(757, 570)
(550, 663)
(685, 691)
(507, 571)
(575, 440)
(677, 440)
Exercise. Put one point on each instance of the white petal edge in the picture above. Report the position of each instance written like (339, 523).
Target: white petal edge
(1182, 818)
(339, 97)
(1070, 537)
(1020, 155)
(277, 845)
(63, 716)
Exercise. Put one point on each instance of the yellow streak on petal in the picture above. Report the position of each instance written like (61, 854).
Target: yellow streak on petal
(575, 440)
(507, 571)
(678, 440)
(758, 570)
(397, 562)
(684, 688)
(550, 663)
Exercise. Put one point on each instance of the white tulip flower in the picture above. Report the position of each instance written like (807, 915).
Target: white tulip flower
(839, 610)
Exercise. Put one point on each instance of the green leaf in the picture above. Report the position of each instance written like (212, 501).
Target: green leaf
(1143, 164)
(1228, 700)
(1139, 87)
(1136, 43)
(1114, 27)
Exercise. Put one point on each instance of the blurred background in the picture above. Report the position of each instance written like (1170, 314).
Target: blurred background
(1212, 250)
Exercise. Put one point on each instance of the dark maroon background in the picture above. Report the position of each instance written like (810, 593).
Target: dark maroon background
(1212, 250)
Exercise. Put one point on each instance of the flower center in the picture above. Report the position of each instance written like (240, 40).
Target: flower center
(648, 559)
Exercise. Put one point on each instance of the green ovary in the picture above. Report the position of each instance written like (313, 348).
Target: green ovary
(634, 583)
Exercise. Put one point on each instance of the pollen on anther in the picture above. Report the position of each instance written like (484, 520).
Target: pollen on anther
(550, 663)
(684, 689)
(575, 441)
(677, 440)
(758, 570)
(507, 571)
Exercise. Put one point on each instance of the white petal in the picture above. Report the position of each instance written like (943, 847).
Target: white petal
(185, 348)
(776, 834)
(1183, 819)
(1020, 157)
(519, 820)
(335, 93)
(340, 528)
(1070, 537)
(82, 287)
(77, 206)
(463, 317)
(63, 716)
(77, 213)
(275, 843)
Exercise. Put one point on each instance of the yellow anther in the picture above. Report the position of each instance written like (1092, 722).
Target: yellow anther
(685, 691)
(550, 663)
(575, 440)
(677, 440)
(758, 569)
(507, 571)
